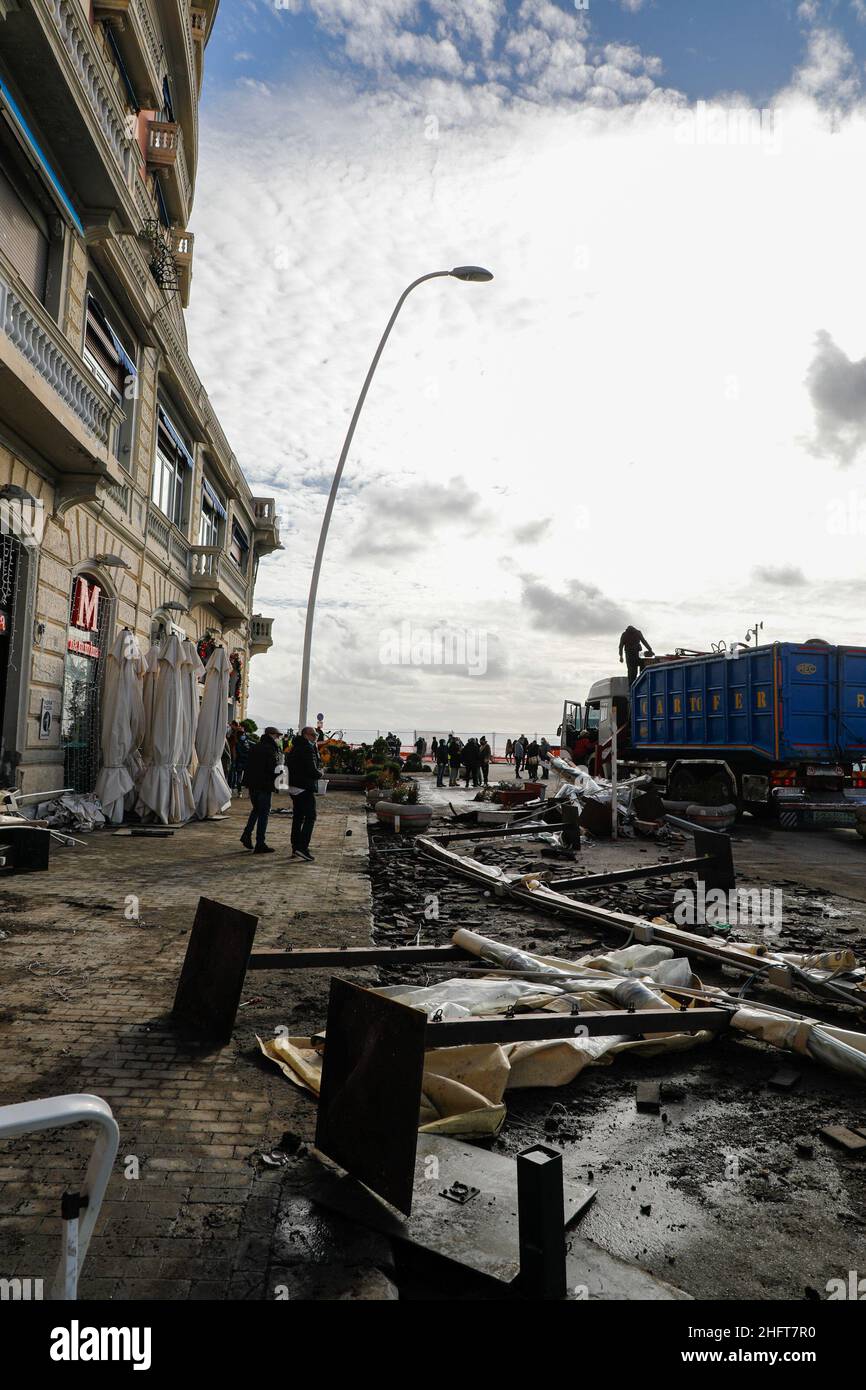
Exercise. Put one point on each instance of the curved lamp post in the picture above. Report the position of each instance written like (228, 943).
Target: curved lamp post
(474, 273)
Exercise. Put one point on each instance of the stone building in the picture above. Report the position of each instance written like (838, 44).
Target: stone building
(121, 501)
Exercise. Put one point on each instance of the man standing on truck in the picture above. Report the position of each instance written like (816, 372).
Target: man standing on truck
(631, 642)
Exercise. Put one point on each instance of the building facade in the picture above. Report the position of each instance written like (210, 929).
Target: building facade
(121, 501)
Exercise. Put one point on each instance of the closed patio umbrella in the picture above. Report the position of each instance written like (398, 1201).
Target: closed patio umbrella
(210, 789)
(161, 792)
(191, 671)
(122, 724)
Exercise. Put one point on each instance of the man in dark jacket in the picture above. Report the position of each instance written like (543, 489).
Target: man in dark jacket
(441, 761)
(303, 770)
(259, 777)
(631, 642)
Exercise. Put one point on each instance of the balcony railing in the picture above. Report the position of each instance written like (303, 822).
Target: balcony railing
(37, 337)
(164, 154)
(74, 33)
(198, 25)
(181, 250)
(214, 579)
(136, 33)
(267, 525)
(261, 638)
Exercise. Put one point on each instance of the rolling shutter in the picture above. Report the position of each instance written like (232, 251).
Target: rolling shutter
(23, 239)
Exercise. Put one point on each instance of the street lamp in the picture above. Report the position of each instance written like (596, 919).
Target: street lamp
(475, 274)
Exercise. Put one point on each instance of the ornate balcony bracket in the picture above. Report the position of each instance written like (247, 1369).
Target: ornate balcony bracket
(80, 487)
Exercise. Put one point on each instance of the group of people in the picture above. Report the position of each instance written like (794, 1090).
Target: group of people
(259, 766)
(529, 754)
(451, 753)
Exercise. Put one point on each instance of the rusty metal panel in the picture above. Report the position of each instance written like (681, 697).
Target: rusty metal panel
(370, 1094)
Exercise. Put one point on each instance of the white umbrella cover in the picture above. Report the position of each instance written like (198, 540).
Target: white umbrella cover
(122, 724)
(210, 789)
(191, 670)
(162, 790)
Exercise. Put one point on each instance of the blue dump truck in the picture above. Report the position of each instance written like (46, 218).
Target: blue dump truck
(778, 730)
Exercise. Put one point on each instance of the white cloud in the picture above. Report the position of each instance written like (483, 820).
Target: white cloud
(837, 387)
(829, 74)
(649, 337)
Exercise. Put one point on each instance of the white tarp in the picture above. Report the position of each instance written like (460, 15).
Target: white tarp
(191, 672)
(165, 792)
(210, 789)
(122, 724)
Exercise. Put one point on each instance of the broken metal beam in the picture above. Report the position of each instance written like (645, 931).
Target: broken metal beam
(540, 1027)
(676, 866)
(497, 832)
(290, 959)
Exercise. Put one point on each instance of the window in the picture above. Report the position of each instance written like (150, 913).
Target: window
(23, 233)
(34, 205)
(213, 511)
(239, 548)
(172, 468)
(113, 365)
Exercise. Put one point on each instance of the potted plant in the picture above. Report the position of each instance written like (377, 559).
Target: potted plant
(401, 809)
(346, 767)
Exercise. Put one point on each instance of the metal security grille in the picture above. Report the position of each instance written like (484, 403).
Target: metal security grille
(82, 699)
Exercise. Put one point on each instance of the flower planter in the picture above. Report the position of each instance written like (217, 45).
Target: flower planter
(374, 795)
(514, 798)
(347, 781)
(402, 816)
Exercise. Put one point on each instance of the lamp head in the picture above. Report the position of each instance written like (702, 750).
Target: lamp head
(475, 273)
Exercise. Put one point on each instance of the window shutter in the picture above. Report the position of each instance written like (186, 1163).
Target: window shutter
(22, 238)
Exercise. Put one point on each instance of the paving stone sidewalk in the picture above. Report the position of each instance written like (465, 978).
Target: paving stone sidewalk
(191, 1212)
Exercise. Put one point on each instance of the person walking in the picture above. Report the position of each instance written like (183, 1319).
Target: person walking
(532, 760)
(485, 751)
(262, 765)
(242, 753)
(433, 746)
(454, 759)
(544, 756)
(303, 770)
(631, 642)
(509, 751)
(441, 761)
(519, 749)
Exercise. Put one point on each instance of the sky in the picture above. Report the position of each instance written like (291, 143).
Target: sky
(655, 413)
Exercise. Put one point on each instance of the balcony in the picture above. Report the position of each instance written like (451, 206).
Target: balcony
(261, 640)
(165, 158)
(214, 579)
(267, 526)
(181, 250)
(48, 395)
(52, 50)
(137, 35)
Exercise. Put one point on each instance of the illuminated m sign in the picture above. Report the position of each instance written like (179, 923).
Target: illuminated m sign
(85, 605)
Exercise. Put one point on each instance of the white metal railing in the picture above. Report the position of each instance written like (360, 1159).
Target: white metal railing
(79, 1210)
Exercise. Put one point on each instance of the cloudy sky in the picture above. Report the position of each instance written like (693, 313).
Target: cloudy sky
(656, 412)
